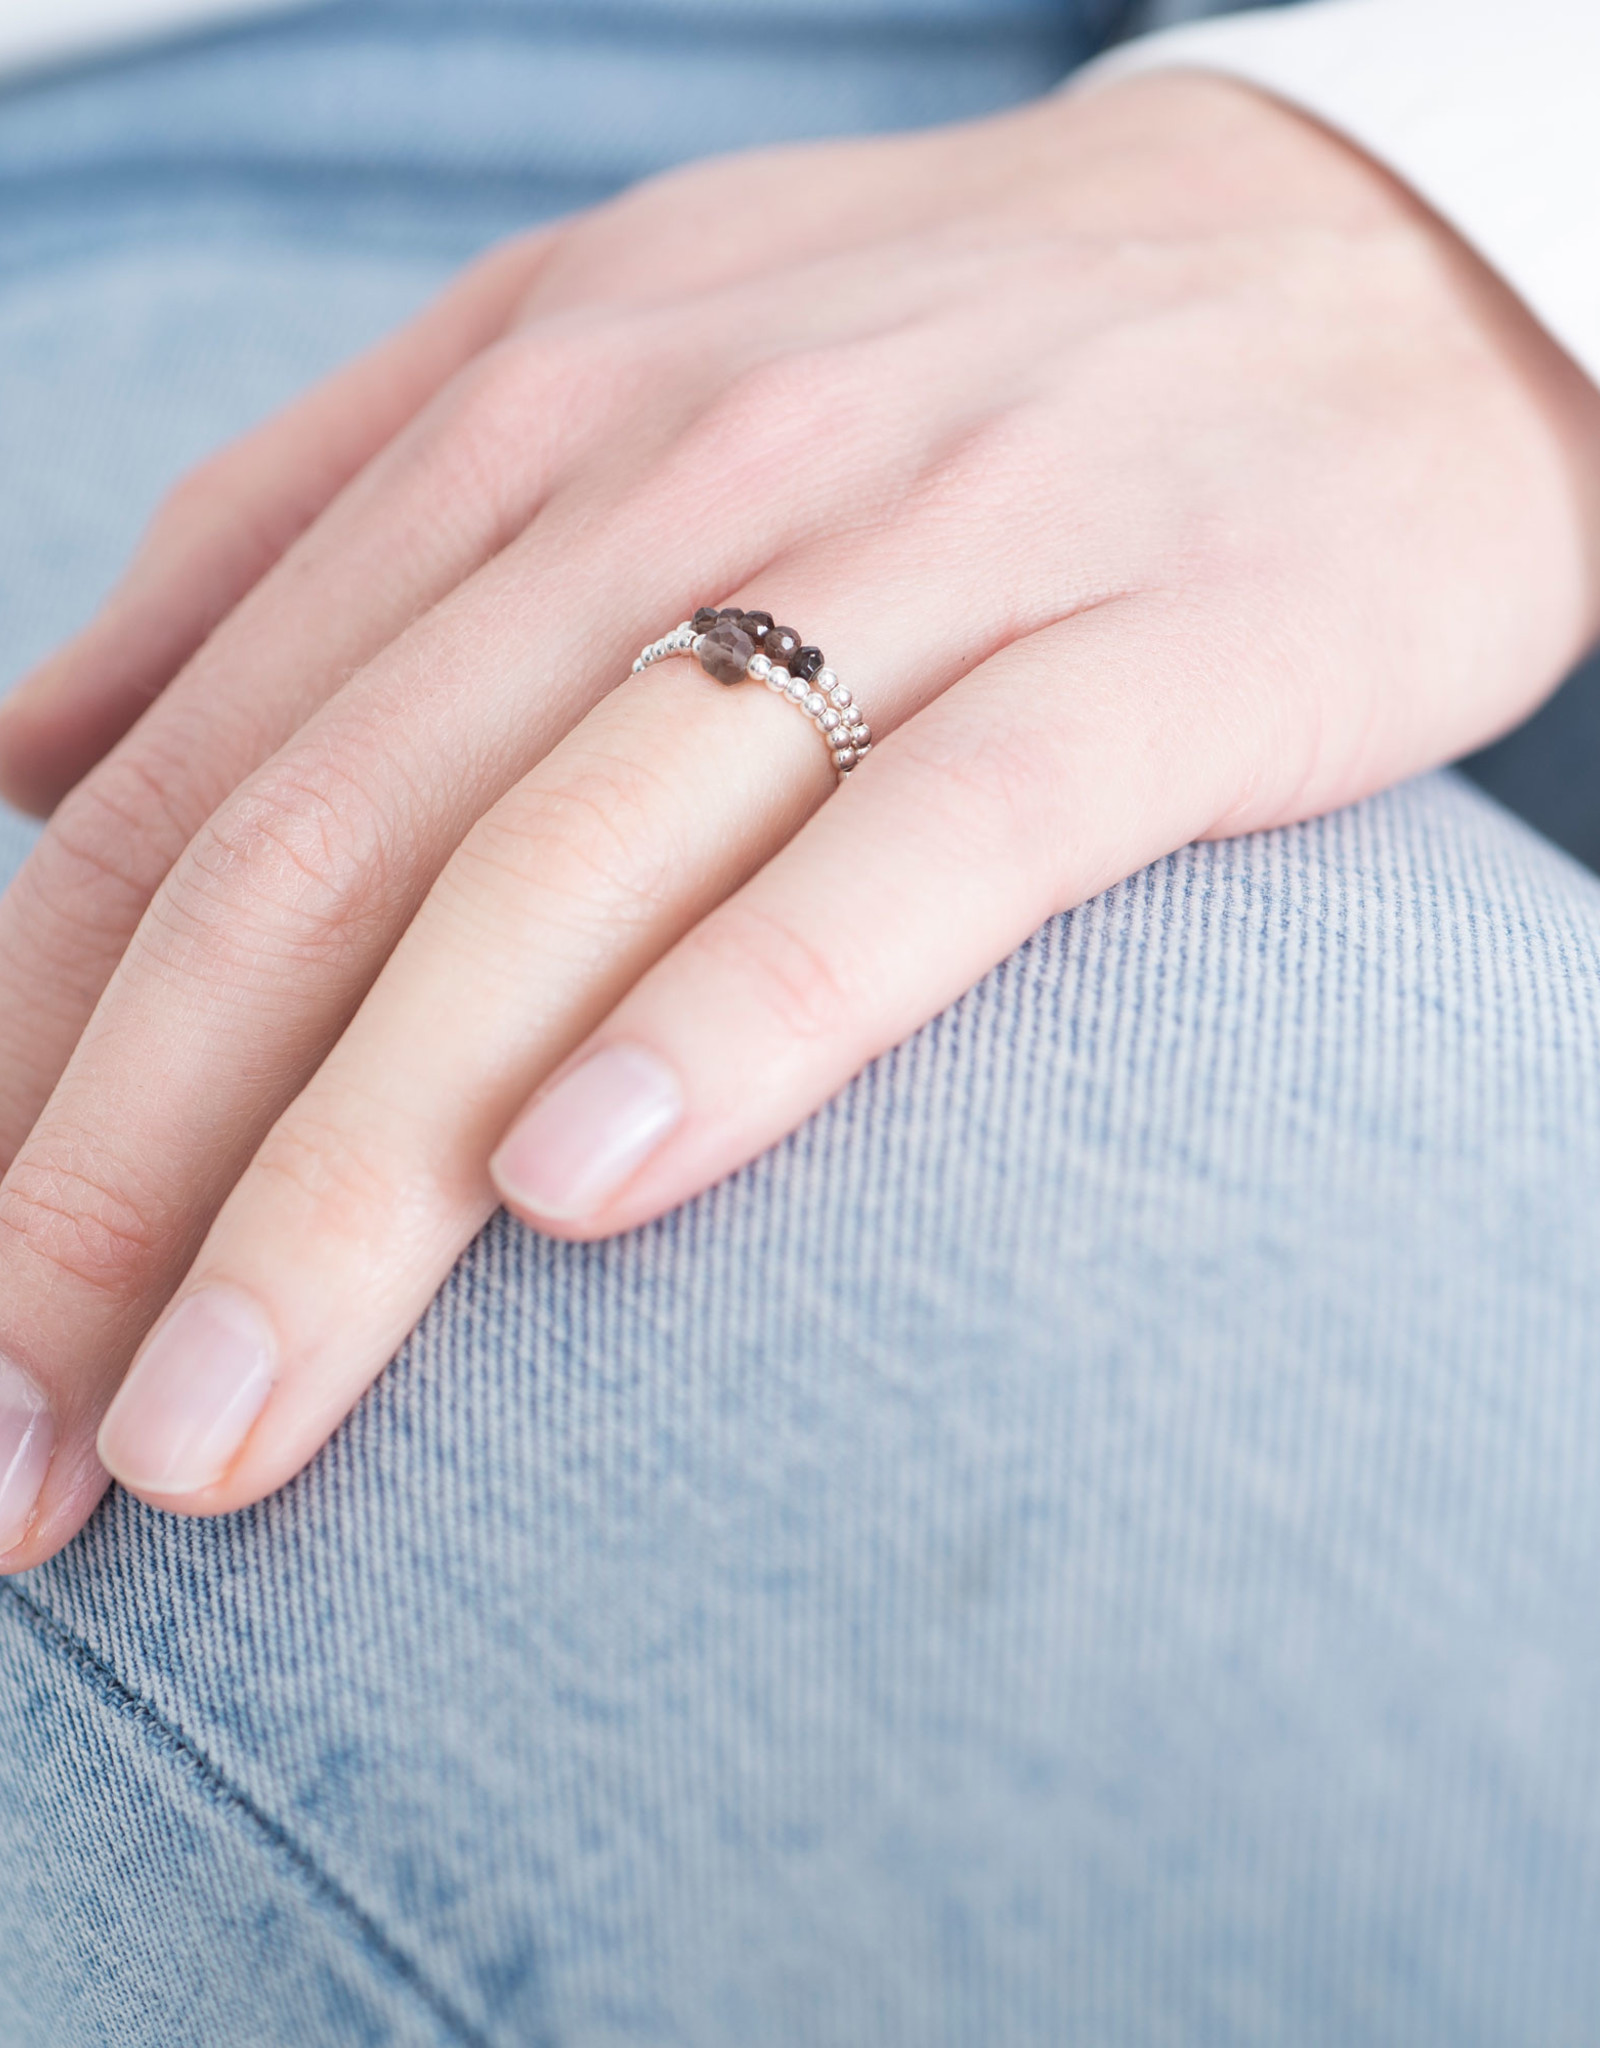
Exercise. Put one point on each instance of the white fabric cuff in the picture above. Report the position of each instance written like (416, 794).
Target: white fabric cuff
(41, 31)
(1489, 109)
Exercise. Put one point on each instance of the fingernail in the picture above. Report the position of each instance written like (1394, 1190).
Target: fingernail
(27, 1437)
(577, 1145)
(192, 1395)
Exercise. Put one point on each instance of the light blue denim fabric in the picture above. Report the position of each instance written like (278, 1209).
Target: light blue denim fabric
(1094, 1541)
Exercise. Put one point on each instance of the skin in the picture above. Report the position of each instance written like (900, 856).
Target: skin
(1152, 464)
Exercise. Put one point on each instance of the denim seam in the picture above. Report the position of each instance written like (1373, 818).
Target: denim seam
(118, 1697)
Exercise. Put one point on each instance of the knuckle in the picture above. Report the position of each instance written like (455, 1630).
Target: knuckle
(300, 863)
(789, 974)
(1001, 778)
(82, 1217)
(329, 1176)
(120, 830)
(596, 841)
(498, 437)
(105, 853)
(991, 472)
(469, 439)
(770, 416)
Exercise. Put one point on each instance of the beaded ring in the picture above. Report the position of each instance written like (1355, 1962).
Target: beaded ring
(731, 645)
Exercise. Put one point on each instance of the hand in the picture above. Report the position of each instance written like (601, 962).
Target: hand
(1151, 465)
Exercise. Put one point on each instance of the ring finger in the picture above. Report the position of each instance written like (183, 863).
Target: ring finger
(659, 806)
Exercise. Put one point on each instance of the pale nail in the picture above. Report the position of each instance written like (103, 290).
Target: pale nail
(577, 1145)
(192, 1396)
(27, 1437)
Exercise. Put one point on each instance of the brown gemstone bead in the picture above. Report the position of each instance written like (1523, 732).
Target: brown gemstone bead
(781, 643)
(725, 652)
(806, 662)
(757, 623)
(705, 618)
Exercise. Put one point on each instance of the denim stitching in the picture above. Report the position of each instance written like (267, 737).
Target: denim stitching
(115, 1693)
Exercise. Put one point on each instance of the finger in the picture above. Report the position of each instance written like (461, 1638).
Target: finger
(365, 1192)
(976, 822)
(228, 522)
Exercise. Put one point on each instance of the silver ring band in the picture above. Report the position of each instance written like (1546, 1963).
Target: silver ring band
(732, 645)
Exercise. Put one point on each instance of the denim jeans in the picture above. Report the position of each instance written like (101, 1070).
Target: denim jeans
(1093, 1541)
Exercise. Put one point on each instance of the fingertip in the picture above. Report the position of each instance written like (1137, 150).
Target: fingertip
(74, 1483)
(27, 1446)
(580, 1141)
(192, 1397)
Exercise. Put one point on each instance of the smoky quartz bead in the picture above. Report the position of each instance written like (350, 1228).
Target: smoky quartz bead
(733, 644)
(725, 652)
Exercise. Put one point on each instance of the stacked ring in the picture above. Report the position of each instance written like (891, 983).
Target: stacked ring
(732, 644)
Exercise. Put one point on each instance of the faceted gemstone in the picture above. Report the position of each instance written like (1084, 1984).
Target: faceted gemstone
(781, 644)
(730, 611)
(704, 619)
(725, 652)
(757, 623)
(806, 662)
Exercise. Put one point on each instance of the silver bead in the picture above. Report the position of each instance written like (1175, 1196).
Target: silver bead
(861, 735)
(815, 705)
(638, 668)
(840, 695)
(694, 644)
(828, 720)
(779, 676)
(826, 681)
(685, 633)
(772, 682)
(759, 667)
(844, 757)
(796, 689)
